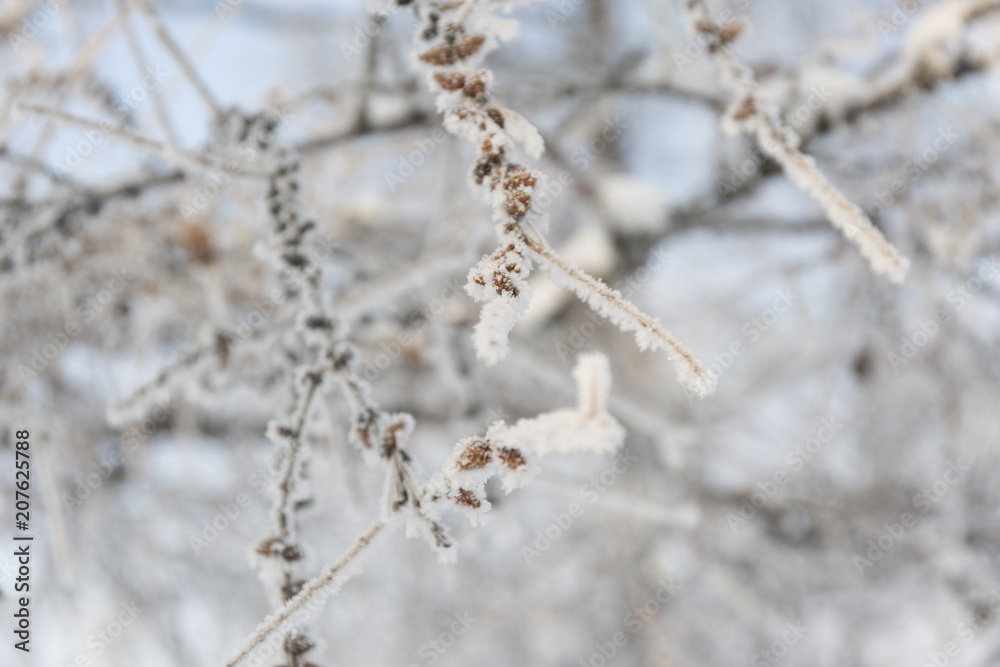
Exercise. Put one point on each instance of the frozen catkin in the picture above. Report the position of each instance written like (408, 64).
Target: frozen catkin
(751, 113)
(451, 40)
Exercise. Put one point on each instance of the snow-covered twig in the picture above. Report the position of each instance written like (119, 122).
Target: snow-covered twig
(610, 303)
(324, 585)
(452, 44)
(70, 119)
(141, 65)
(165, 151)
(504, 450)
(179, 56)
(749, 112)
(461, 484)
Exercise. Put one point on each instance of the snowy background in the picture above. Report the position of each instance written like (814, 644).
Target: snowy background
(772, 511)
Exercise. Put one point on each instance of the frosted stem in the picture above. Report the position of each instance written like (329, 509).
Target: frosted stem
(311, 589)
(609, 303)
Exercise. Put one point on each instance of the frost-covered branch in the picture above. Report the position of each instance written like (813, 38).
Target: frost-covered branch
(452, 39)
(165, 151)
(505, 450)
(462, 482)
(931, 52)
(751, 112)
(313, 593)
(610, 303)
(281, 550)
(175, 50)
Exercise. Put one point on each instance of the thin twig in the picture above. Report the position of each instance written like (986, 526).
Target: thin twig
(749, 112)
(72, 119)
(141, 64)
(330, 573)
(162, 150)
(181, 59)
(630, 318)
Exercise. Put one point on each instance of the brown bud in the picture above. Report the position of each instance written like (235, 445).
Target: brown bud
(705, 26)
(450, 80)
(438, 55)
(731, 31)
(745, 110)
(512, 458)
(496, 116)
(503, 285)
(475, 86)
(476, 455)
(469, 45)
(467, 498)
